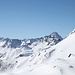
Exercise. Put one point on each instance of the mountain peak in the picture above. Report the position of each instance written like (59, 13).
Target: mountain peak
(55, 34)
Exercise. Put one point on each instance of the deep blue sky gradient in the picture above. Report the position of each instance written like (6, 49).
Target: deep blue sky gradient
(35, 18)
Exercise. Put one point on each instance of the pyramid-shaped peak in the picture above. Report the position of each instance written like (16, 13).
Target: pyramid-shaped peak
(56, 35)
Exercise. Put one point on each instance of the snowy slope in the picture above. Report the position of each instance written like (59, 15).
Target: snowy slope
(44, 58)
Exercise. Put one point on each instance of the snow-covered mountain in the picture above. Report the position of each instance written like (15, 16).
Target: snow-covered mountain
(12, 48)
(40, 56)
(52, 39)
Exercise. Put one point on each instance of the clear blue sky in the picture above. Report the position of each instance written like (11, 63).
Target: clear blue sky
(35, 18)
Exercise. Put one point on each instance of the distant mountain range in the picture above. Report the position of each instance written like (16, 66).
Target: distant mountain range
(52, 39)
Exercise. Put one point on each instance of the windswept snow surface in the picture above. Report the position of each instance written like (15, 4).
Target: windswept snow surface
(41, 59)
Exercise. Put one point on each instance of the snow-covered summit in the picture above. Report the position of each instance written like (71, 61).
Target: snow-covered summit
(56, 35)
